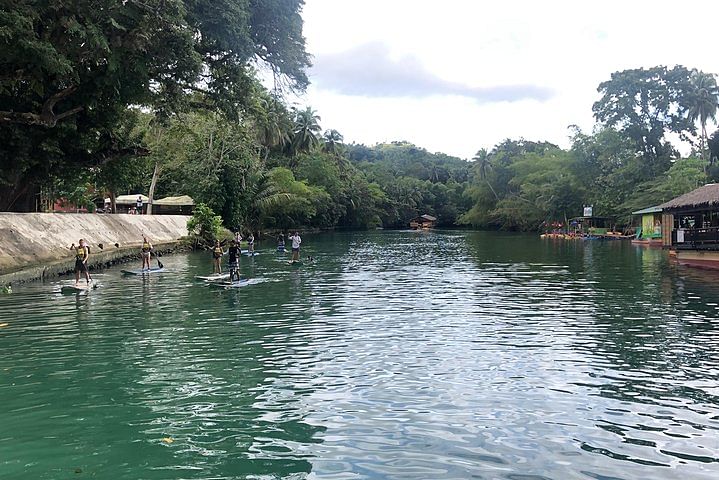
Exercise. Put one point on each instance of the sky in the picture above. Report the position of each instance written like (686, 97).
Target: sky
(455, 76)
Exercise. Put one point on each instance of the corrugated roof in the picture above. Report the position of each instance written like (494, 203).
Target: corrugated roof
(706, 196)
(429, 217)
(130, 199)
(175, 201)
(656, 209)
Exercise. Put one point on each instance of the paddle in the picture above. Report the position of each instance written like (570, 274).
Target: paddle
(159, 263)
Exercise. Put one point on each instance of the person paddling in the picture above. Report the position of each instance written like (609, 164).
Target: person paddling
(281, 242)
(217, 254)
(145, 253)
(82, 253)
(234, 261)
(250, 243)
(296, 241)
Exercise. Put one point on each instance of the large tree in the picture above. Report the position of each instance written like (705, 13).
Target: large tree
(70, 69)
(645, 105)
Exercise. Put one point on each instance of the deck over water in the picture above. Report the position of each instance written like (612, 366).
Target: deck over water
(396, 355)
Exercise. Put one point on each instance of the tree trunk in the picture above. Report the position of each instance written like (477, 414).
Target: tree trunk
(153, 183)
(113, 203)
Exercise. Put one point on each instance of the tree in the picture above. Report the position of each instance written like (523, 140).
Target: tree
(703, 102)
(644, 105)
(332, 141)
(70, 70)
(305, 133)
(483, 165)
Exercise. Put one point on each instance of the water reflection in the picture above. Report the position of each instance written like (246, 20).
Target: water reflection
(396, 355)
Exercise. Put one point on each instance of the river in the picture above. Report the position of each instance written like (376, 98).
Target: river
(418, 355)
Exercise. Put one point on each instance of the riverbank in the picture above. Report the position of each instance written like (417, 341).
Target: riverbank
(36, 245)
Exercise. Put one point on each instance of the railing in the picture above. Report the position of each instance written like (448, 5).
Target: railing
(697, 236)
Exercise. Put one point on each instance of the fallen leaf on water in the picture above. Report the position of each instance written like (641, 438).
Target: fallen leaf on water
(167, 440)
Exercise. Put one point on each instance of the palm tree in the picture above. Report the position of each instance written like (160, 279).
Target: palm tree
(273, 126)
(261, 194)
(332, 141)
(305, 134)
(482, 161)
(703, 101)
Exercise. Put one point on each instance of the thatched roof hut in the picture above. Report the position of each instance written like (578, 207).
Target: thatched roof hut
(703, 198)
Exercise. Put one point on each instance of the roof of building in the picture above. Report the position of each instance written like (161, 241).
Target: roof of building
(706, 196)
(175, 201)
(130, 199)
(429, 217)
(656, 209)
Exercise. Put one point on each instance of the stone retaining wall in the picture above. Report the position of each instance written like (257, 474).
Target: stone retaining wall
(34, 245)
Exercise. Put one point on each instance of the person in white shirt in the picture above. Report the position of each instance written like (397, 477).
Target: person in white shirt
(296, 241)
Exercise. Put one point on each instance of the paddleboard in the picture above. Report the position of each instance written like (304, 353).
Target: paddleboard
(139, 271)
(248, 254)
(296, 263)
(78, 288)
(242, 283)
(216, 277)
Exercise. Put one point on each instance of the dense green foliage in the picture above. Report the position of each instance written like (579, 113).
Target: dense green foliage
(162, 97)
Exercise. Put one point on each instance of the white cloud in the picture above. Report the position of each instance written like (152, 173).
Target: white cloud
(489, 48)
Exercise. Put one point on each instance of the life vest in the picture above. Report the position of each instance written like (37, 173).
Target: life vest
(80, 253)
(217, 251)
(145, 247)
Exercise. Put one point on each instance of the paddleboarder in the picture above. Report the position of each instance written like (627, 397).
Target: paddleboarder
(234, 261)
(296, 241)
(82, 253)
(145, 252)
(217, 253)
(250, 243)
(281, 242)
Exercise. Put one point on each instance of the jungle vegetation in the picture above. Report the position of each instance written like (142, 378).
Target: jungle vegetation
(169, 97)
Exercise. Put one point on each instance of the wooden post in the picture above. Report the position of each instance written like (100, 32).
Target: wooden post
(153, 183)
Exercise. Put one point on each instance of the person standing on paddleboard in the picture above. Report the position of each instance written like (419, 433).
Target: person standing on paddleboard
(82, 253)
(145, 253)
(296, 241)
(234, 261)
(250, 243)
(281, 242)
(217, 253)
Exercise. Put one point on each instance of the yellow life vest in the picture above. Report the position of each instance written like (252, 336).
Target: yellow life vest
(80, 253)
(145, 247)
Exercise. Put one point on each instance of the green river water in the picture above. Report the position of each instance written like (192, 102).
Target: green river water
(417, 355)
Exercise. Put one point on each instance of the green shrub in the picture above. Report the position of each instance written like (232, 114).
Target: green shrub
(204, 223)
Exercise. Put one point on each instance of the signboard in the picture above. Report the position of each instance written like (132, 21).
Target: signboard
(588, 210)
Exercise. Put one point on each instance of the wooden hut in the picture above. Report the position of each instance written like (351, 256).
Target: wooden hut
(692, 226)
(423, 222)
(650, 231)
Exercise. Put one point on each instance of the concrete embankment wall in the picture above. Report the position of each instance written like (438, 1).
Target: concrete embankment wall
(36, 245)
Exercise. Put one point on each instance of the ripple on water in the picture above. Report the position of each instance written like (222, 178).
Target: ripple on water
(397, 355)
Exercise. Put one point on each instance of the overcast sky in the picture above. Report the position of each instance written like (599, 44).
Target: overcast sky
(454, 76)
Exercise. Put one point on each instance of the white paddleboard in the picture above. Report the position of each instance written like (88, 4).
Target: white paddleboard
(139, 271)
(216, 277)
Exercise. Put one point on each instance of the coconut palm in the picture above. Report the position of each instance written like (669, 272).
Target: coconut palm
(305, 134)
(703, 102)
(273, 125)
(482, 161)
(332, 141)
(260, 195)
